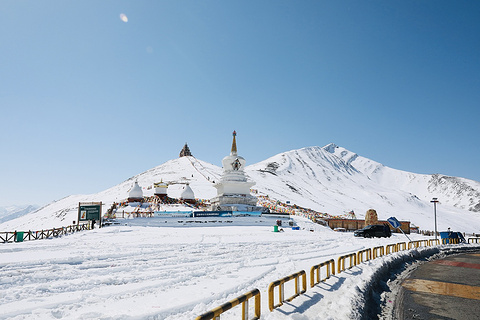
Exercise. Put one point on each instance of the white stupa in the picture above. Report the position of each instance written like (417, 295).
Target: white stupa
(161, 189)
(135, 194)
(187, 194)
(233, 189)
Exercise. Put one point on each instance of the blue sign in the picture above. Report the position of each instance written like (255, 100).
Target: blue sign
(394, 222)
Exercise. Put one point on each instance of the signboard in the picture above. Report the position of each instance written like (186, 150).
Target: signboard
(394, 222)
(89, 211)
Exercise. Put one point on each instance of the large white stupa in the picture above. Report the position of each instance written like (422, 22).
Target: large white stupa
(233, 189)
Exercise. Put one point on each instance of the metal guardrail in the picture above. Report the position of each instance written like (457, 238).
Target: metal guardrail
(361, 253)
(432, 241)
(401, 246)
(378, 251)
(315, 270)
(281, 289)
(341, 262)
(450, 241)
(243, 299)
(474, 240)
(391, 248)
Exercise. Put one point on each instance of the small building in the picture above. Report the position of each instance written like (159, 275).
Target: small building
(135, 194)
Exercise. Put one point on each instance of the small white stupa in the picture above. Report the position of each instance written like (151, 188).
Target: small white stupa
(161, 189)
(187, 194)
(233, 189)
(135, 194)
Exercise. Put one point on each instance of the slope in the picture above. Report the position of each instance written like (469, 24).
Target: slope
(328, 179)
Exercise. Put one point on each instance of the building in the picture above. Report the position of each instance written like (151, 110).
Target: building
(185, 151)
(233, 189)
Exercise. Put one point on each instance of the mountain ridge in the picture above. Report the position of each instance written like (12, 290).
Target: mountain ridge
(329, 179)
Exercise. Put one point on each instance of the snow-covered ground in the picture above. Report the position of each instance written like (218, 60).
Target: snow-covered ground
(154, 268)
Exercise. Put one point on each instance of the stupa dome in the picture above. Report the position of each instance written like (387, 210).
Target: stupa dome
(136, 193)
(187, 193)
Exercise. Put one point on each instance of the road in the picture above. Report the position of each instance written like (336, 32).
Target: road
(447, 288)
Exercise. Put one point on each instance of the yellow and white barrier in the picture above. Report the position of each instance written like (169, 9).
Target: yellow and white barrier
(281, 289)
(366, 252)
(341, 262)
(315, 270)
(378, 251)
(243, 299)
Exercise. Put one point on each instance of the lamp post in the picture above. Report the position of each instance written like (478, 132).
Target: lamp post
(434, 201)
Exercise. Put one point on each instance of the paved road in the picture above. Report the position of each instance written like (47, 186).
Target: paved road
(447, 288)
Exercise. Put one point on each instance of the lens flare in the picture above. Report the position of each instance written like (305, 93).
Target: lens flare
(123, 17)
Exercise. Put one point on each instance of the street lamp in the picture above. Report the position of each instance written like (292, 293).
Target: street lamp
(434, 201)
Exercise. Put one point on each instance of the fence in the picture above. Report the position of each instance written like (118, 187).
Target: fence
(243, 299)
(20, 236)
(378, 252)
(281, 289)
(315, 277)
(341, 262)
(317, 267)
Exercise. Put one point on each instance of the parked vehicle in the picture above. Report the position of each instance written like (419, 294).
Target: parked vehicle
(374, 230)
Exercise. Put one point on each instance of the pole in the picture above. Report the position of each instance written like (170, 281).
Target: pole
(434, 200)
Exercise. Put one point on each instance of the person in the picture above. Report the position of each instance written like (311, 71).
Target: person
(93, 224)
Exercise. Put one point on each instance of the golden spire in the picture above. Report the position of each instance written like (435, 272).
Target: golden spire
(234, 143)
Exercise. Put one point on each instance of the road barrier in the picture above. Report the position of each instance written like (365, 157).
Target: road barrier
(20, 236)
(341, 262)
(391, 248)
(417, 244)
(281, 289)
(315, 270)
(243, 299)
(401, 246)
(355, 259)
(450, 241)
(378, 252)
(361, 253)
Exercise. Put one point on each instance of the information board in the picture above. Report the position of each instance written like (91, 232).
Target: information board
(89, 211)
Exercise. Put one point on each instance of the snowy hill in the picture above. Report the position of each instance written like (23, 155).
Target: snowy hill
(13, 212)
(327, 179)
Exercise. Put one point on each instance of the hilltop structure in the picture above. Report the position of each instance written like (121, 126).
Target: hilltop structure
(185, 151)
(233, 189)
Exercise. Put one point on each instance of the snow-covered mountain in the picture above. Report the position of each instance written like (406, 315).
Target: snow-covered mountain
(327, 179)
(13, 212)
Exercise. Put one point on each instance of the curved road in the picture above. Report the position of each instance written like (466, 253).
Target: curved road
(447, 288)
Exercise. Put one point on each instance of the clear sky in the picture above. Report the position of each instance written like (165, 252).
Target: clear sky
(89, 99)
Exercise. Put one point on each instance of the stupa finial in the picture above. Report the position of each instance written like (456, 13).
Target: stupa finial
(234, 143)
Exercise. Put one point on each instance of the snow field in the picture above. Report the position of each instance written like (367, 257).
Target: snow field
(139, 272)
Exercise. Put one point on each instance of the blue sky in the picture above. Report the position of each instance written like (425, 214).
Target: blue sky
(88, 100)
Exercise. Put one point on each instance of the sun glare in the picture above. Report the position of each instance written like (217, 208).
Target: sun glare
(123, 17)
